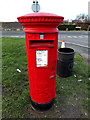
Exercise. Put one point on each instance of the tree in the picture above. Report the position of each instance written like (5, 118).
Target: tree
(82, 17)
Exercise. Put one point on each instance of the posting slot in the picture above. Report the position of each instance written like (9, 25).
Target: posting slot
(41, 43)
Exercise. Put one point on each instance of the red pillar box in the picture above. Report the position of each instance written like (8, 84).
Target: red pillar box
(41, 42)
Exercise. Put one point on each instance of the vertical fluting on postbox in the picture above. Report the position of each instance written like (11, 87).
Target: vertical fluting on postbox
(41, 44)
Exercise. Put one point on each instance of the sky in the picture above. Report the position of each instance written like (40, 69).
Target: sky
(69, 9)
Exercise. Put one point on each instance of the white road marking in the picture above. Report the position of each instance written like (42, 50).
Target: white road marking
(22, 36)
(69, 36)
(80, 36)
(62, 36)
(75, 44)
(86, 36)
(14, 36)
(17, 36)
(74, 36)
(11, 36)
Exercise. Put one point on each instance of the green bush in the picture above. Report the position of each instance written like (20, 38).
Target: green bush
(63, 27)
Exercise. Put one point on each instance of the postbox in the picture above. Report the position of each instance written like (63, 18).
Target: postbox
(41, 43)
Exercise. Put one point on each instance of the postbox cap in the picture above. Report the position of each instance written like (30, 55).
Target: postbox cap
(40, 17)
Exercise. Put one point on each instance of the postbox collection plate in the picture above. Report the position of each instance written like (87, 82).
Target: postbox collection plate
(41, 58)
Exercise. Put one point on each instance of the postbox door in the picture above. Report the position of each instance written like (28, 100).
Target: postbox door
(42, 73)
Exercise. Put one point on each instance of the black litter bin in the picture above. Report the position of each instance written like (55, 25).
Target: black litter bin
(65, 59)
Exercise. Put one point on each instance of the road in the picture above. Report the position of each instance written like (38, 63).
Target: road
(78, 40)
(76, 37)
(13, 34)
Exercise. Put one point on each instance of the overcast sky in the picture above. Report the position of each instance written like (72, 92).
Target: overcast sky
(69, 9)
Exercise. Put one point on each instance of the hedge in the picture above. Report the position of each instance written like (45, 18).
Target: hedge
(70, 27)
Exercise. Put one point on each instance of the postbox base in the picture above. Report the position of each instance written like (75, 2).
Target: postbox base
(42, 107)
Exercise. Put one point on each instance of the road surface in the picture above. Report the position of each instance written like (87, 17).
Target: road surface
(76, 37)
(78, 40)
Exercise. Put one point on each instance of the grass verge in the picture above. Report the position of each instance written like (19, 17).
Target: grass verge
(15, 85)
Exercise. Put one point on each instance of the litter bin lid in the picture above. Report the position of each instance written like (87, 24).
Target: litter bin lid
(66, 51)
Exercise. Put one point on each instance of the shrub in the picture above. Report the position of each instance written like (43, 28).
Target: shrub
(63, 27)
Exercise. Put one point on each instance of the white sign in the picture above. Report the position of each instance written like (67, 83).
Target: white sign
(41, 58)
